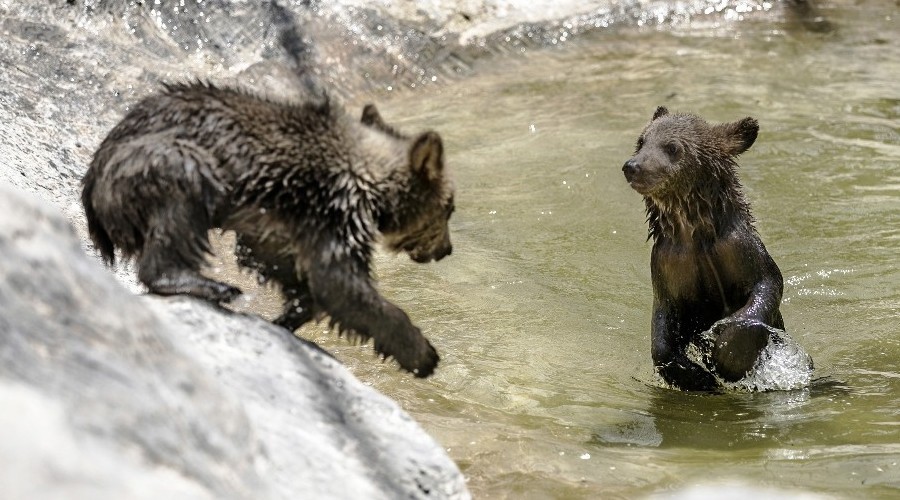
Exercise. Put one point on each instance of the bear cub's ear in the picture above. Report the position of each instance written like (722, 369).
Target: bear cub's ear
(660, 111)
(426, 156)
(372, 118)
(739, 136)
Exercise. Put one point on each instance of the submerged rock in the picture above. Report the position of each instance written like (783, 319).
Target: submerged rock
(111, 395)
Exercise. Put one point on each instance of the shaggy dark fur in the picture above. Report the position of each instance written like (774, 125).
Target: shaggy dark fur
(306, 188)
(708, 262)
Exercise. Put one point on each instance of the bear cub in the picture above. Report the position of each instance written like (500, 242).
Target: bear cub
(708, 263)
(307, 190)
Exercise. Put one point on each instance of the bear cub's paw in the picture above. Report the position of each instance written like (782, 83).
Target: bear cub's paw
(194, 285)
(737, 348)
(418, 357)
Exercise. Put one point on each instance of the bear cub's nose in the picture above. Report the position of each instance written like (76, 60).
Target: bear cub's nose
(630, 168)
(443, 253)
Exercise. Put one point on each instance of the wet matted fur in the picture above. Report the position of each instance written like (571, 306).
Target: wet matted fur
(708, 262)
(307, 189)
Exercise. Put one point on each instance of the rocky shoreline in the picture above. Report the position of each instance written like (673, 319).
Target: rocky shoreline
(147, 397)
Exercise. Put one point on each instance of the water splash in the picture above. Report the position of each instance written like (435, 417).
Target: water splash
(782, 366)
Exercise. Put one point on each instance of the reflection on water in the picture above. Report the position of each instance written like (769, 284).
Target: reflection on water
(542, 313)
(706, 422)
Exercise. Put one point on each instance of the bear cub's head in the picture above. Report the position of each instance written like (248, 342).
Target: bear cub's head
(677, 152)
(419, 221)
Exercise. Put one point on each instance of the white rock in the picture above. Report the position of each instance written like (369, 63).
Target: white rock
(111, 395)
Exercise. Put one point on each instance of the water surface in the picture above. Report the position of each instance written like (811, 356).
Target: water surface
(542, 312)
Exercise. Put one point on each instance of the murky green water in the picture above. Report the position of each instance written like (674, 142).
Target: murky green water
(542, 313)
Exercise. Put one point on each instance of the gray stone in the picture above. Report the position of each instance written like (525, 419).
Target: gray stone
(43, 456)
(111, 395)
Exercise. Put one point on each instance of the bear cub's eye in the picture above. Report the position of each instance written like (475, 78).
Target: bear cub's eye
(640, 143)
(671, 149)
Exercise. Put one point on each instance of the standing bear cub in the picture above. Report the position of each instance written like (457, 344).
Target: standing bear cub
(307, 190)
(708, 262)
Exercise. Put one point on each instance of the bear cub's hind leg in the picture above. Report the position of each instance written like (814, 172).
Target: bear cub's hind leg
(171, 258)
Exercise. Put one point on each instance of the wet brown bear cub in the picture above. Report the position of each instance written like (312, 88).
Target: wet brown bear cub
(307, 189)
(708, 263)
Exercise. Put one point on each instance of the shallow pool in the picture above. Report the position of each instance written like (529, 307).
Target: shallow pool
(542, 313)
